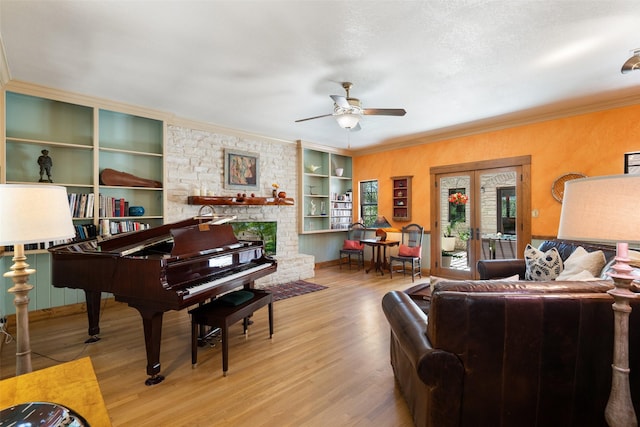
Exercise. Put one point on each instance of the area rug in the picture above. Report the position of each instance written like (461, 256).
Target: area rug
(293, 289)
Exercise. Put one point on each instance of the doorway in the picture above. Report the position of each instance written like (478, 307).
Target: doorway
(479, 212)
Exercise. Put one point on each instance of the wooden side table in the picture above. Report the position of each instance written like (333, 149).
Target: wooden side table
(379, 253)
(222, 316)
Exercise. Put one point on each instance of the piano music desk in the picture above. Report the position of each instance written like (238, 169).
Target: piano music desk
(222, 316)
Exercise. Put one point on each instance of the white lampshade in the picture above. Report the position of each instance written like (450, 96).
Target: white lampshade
(34, 213)
(348, 120)
(602, 209)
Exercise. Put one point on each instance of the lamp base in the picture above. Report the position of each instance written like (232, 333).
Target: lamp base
(20, 275)
(619, 411)
(381, 234)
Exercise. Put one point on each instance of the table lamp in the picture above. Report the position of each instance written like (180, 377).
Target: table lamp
(30, 214)
(607, 209)
(380, 224)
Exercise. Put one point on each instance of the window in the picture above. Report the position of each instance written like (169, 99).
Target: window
(369, 201)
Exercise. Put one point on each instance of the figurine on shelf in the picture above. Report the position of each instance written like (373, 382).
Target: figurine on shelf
(45, 163)
(312, 208)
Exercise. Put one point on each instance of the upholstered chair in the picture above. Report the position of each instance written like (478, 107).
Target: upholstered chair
(352, 245)
(410, 251)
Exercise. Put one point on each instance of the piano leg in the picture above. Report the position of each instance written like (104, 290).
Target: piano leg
(152, 322)
(93, 299)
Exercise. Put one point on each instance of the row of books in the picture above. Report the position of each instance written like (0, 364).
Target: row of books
(81, 204)
(113, 207)
(116, 227)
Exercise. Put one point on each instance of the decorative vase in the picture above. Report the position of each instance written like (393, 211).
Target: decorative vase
(339, 171)
(282, 194)
(448, 243)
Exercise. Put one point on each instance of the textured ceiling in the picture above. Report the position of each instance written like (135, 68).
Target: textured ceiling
(257, 66)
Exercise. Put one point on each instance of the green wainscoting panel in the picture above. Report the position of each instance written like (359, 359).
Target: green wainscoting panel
(44, 295)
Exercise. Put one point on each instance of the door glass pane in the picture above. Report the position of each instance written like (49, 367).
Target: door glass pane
(455, 218)
(498, 215)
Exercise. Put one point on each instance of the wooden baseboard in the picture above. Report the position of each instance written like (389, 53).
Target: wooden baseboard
(49, 313)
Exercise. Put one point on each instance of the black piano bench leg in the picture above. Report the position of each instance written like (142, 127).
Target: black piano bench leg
(154, 379)
(92, 339)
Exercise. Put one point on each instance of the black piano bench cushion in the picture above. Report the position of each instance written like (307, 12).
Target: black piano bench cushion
(233, 299)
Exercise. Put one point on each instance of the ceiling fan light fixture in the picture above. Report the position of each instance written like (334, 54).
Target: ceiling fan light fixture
(348, 120)
(632, 63)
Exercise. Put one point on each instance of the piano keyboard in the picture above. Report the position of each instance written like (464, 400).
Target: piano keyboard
(239, 272)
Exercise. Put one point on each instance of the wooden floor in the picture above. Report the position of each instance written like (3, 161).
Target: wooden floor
(326, 365)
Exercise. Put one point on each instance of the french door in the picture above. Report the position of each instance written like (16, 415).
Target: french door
(479, 211)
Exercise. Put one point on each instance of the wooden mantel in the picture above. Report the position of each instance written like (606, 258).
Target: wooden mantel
(239, 201)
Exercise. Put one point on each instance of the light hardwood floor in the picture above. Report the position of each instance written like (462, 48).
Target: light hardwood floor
(326, 365)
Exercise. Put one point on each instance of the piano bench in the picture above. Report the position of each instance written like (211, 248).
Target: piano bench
(217, 314)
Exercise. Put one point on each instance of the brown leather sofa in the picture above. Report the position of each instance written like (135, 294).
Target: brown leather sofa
(496, 353)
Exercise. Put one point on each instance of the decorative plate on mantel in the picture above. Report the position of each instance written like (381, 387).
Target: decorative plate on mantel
(557, 189)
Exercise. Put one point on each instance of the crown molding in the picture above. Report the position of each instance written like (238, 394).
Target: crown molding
(86, 100)
(5, 75)
(209, 127)
(521, 118)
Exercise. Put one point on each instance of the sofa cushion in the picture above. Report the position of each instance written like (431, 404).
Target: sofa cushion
(409, 251)
(352, 245)
(542, 265)
(581, 260)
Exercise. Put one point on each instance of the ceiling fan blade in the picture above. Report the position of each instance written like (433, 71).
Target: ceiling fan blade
(311, 118)
(340, 101)
(384, 112)
(355, 128)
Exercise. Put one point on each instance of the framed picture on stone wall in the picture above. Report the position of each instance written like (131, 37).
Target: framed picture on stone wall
(241, 170)
(632, 163)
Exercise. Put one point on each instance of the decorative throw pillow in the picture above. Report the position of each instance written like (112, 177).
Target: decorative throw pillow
(542, 265)
(352, 245)
(582, 276)
(409, 251)
(581, 260)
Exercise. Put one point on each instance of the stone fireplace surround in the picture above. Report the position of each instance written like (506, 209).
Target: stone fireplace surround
(195, 158)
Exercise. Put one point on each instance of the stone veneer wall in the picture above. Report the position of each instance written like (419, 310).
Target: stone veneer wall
(195, 158)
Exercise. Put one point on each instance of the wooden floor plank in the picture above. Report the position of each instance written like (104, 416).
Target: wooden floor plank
(327, 363)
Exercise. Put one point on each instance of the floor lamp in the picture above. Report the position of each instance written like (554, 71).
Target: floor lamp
(30, 214)
(607, 209)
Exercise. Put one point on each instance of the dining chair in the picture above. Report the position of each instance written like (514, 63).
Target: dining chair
(352, 246)
(410, 251)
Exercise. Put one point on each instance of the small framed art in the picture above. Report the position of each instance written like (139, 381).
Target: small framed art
(241, 170)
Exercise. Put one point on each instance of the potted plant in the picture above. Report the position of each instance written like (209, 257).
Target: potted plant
(449, 240)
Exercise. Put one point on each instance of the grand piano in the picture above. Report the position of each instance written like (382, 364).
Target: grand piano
(170, 267)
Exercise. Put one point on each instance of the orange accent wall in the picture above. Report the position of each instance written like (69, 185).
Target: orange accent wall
(592, 144)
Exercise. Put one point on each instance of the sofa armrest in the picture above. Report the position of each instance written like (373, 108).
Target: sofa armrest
(500, 268)
(440, 372)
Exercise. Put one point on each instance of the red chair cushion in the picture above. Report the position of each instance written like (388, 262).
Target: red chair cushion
(352, 245)
(409, 251)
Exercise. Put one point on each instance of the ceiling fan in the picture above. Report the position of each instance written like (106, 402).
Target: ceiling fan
(348, 111)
